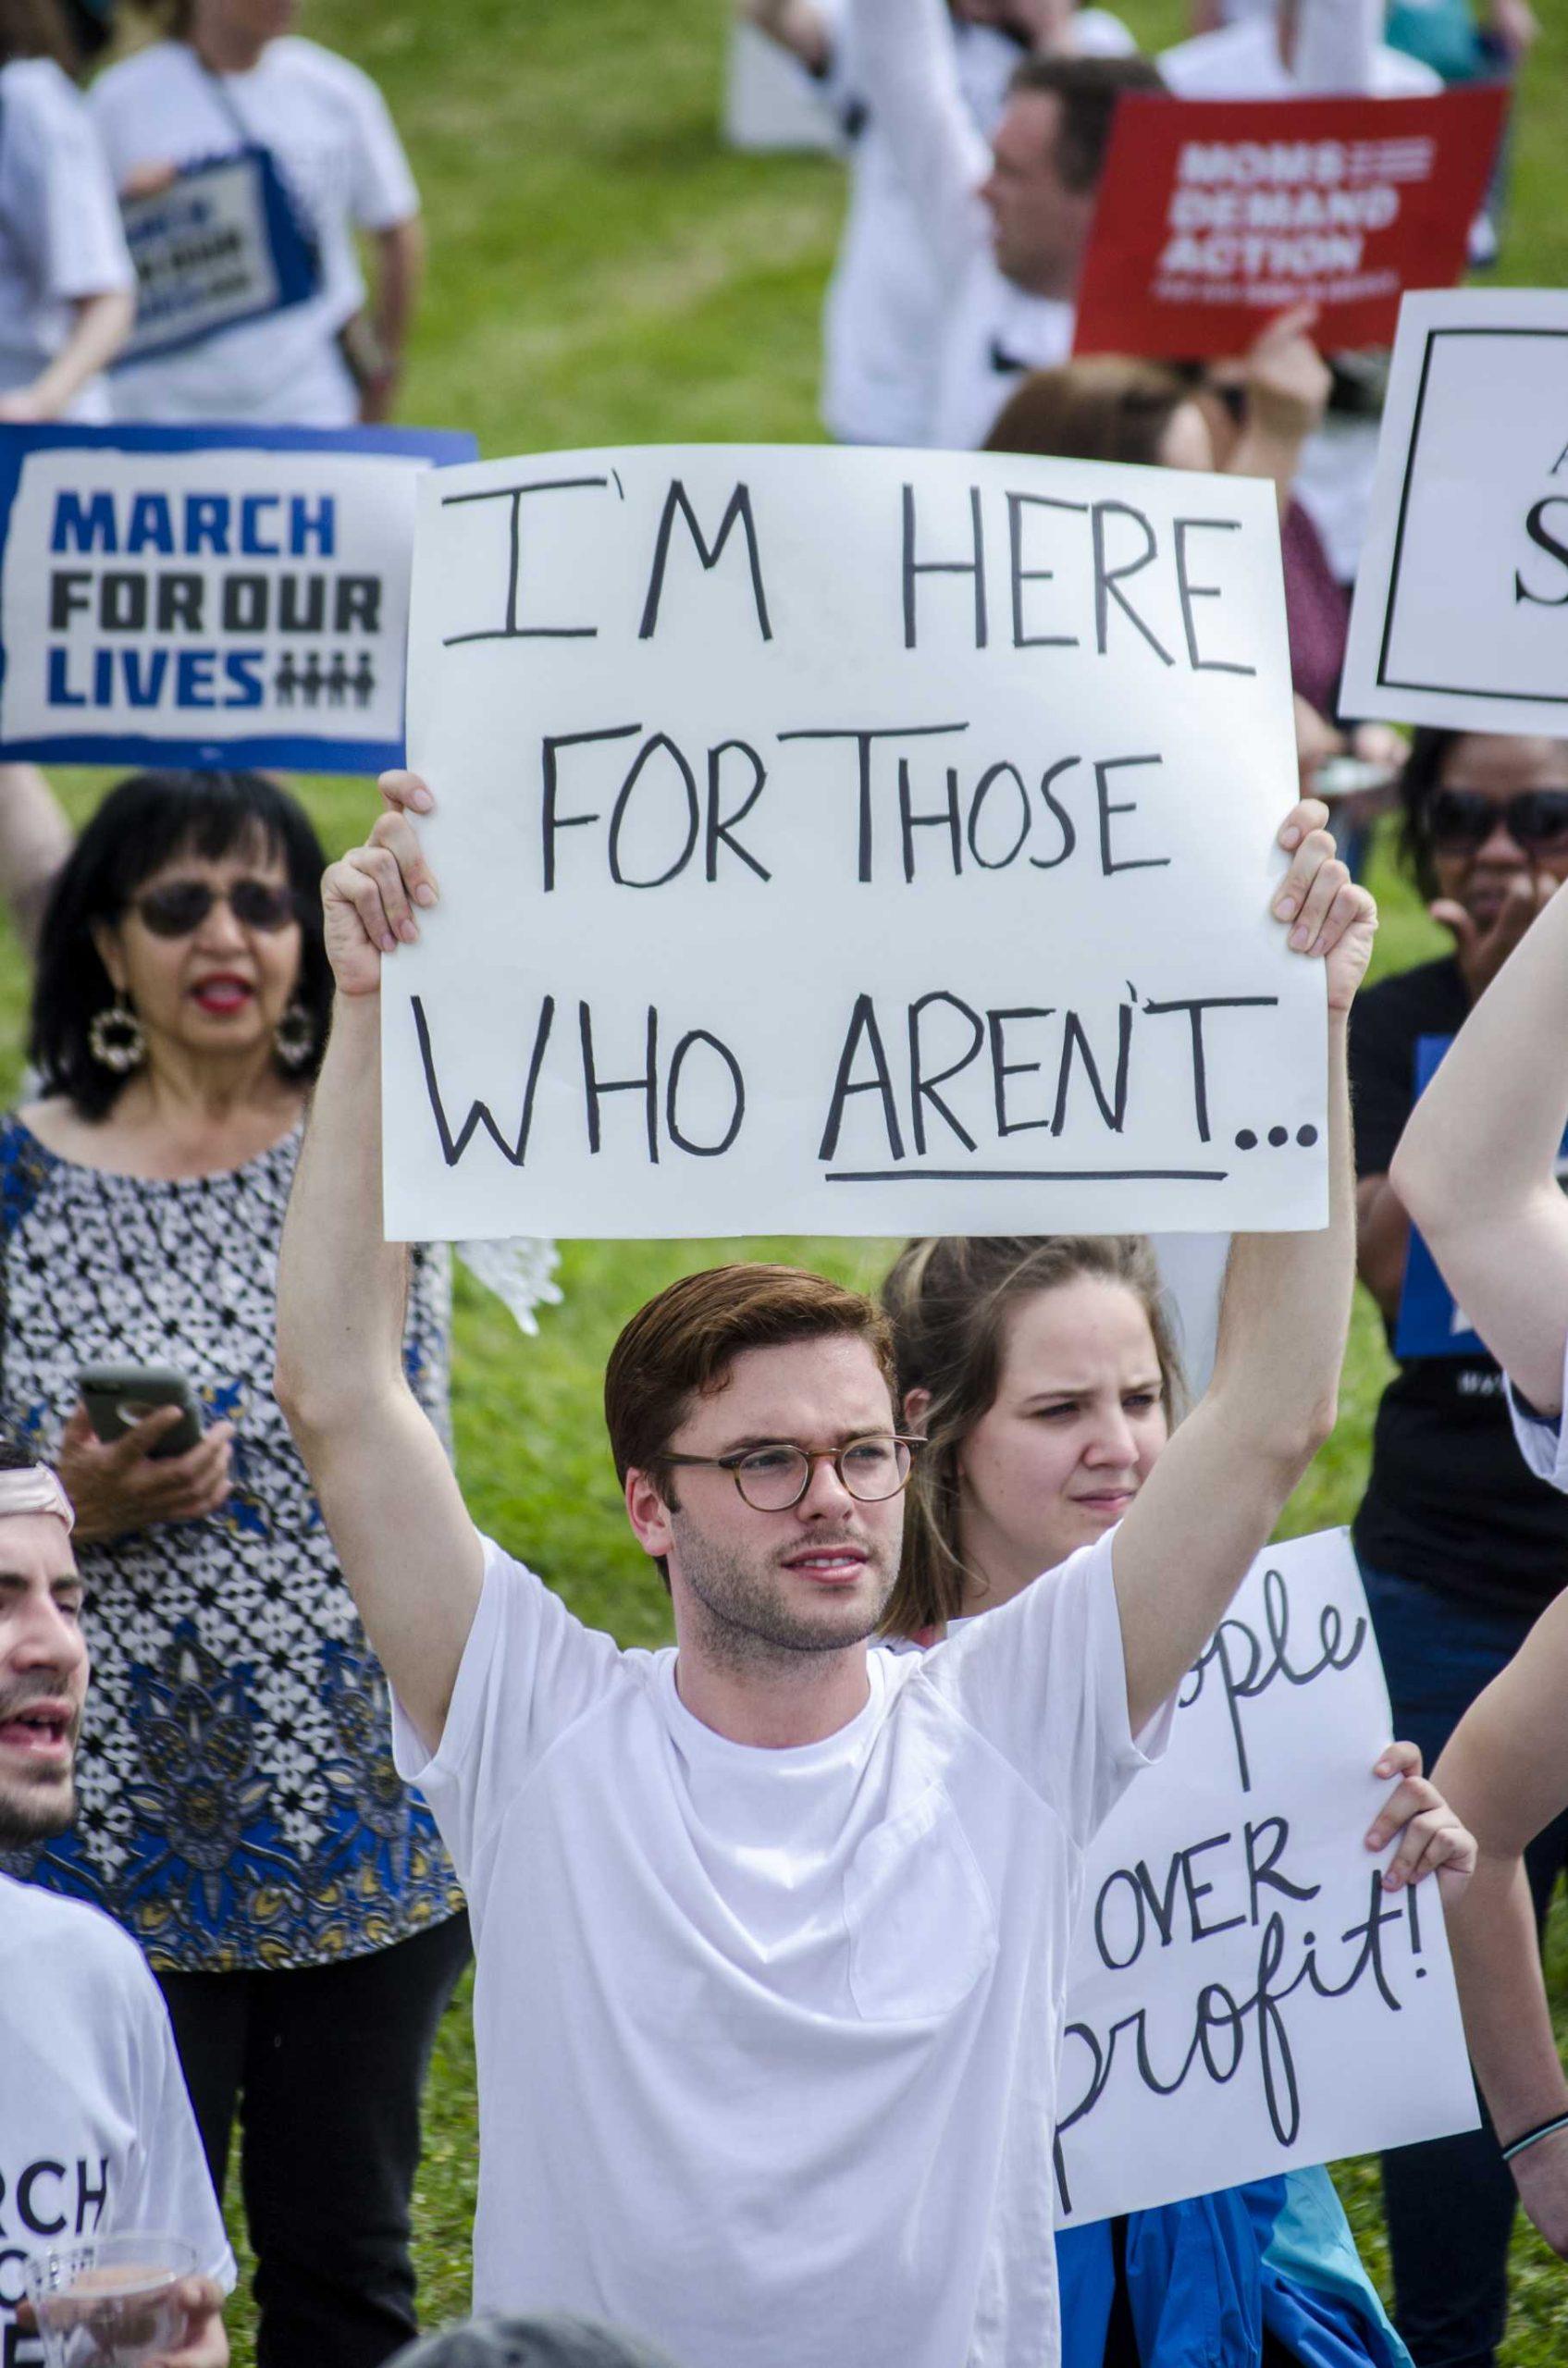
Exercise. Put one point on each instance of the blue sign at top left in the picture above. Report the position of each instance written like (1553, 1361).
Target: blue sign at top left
(208, 597)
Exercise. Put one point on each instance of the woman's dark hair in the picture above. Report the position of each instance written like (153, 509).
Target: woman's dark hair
(1421, 776)
(38, 28)
(140, 824)
(1101, 408)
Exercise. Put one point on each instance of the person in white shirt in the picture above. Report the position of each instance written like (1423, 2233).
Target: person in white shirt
(772, 1929)
(883, 318)
(233, 78)
(1297, 49)
(97, 2136)
(66, 280)
(1477, 1169)
(1005, 223)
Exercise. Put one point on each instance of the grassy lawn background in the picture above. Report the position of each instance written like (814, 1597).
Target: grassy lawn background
(603, 271)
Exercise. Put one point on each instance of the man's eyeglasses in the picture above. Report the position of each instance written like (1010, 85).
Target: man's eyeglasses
(774, 1477)
(1460, 820)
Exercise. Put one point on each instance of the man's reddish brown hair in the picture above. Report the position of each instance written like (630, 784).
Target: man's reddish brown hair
(681, 1346)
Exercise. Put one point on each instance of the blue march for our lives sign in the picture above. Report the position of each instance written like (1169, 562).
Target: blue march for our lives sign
(222, 244)
(208, 597)
(1430, 1323)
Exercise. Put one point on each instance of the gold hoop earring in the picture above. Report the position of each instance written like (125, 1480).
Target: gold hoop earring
(114, 1037)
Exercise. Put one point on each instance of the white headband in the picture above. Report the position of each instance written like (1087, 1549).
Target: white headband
(35, 1489)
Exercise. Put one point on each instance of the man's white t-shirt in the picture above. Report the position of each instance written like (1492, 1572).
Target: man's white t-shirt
(327, 127)
(1242, 61)
(96, 2132)
(767, 2040)
(60, 237)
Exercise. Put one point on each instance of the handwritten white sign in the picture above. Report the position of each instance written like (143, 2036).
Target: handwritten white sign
(850, 843)
(1245, 1999)
(1463, 590)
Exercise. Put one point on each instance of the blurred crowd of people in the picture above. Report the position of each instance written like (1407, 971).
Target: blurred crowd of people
(226, 1788)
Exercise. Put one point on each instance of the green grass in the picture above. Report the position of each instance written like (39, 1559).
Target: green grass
(603, 272)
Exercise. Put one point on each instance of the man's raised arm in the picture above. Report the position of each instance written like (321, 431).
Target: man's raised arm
(1210, 1504)
(409, 1551)
(1476, 1166)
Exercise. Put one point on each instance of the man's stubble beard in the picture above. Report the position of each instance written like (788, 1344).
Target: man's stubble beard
(748, 1628)
(26, 1819)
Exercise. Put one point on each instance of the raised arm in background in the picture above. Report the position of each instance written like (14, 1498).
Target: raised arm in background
(408, 1549)
(1211, 1502)
(1505, 1774)
(400, 271)
(35, 839)
(908, 76)
(1476, 1167)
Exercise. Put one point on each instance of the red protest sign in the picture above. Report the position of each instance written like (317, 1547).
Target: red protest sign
(1214, 214)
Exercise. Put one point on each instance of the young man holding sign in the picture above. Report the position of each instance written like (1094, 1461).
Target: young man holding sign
(773, 1929)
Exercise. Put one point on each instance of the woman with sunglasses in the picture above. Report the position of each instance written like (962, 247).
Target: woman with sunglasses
(1044, 1378)
(239, 1812)
(1461, 1547)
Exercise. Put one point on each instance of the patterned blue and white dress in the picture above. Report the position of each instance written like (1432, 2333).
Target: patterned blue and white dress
(238, 1806)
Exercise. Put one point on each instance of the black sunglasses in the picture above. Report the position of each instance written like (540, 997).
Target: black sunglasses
(1460, 820)
(179, 907)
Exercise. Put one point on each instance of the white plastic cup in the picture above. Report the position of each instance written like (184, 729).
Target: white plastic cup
(110, 2301)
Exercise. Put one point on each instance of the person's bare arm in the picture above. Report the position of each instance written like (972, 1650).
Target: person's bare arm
(795, 25)
(100, 325)
(1210, 1504)
(1476, 1167)
(1505, 1774)
(399, 275)
(907, 72)
(410, 1553)
(35, 839)
(1287, 383)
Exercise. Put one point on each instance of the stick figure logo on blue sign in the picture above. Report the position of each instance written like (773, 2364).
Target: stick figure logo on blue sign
(1431, 1324)
(208, 597)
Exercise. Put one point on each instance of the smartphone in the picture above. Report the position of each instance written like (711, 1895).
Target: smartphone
(118, 1397)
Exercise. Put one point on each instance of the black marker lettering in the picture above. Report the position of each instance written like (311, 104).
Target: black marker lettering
(862, 1024)
(453, 1146)
(510, 630)
(1017, 503)
(922, 1089)
(1108, 581)
(1188, 592)
(676, 502)
(974, 566)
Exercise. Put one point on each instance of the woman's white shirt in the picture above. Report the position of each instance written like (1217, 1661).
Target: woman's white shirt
(60, 237)
(330, 133)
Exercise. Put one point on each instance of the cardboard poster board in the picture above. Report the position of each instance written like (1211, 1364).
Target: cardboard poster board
(1463, 583)
(849, 843)
(208, 597)
(1214, 214)
(1244, 1999)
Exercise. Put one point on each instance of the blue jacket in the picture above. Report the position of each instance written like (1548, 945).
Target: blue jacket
(1206, 2277)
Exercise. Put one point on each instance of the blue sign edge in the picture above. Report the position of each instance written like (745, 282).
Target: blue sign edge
(442, 447)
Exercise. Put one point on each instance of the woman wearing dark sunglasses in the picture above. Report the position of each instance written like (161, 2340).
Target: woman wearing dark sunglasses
(1461, 1547)
(239, 1811)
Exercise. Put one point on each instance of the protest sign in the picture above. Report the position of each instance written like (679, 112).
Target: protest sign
(1243, 1997)
(849, 843)
(208, 595)
(222, 244)
(1462, 588)
(1214, 214)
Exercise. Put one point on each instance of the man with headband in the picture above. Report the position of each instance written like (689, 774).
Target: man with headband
(96, 2133)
